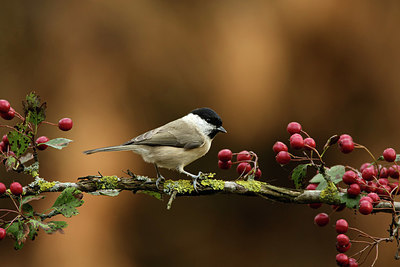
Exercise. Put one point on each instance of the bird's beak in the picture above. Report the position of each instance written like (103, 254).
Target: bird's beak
(221, 129)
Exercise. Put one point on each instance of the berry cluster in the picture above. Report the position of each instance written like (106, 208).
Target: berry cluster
(8, 113)
(296, 141)
(361, 188)
(16, 189)
(343, 242)
(247, 162)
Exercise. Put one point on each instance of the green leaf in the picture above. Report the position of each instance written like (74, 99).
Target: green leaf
(33, 231)
(58, 143)
(397, 157)
(18, 232)
(56, 226)
(30, 198)
(68, 201)
(322, 185)
(28, 210)
(35, 112)
(298, 175)
(40, 224)
(318, 178)
(19, 139)
(336, 173)
(351, 203)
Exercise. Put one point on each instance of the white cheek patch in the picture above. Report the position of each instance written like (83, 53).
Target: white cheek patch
(205, 127)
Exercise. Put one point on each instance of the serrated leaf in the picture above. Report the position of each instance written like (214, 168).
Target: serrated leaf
(322, 185)
(336, 173)
(17, 232)
(298, 175)
(351, 202)
(40, 224)
(67, 202)
(33, 231)
(19, 139)
(56, 226)
(28, 199)
(58, 143)
(35, 111)
(28, 210)
(317, 179)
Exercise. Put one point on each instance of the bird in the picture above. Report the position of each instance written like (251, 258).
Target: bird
(175, 144)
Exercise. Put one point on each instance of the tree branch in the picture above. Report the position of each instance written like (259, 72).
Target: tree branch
(112, 185)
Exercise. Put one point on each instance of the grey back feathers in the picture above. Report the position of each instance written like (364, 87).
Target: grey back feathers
(188, 132)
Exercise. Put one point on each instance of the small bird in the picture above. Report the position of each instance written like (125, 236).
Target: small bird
(175, 144)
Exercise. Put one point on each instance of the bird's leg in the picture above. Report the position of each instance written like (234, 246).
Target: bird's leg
(194, 177)
(159, 177)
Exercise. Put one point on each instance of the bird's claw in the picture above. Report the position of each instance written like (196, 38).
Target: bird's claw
(195, 182)
(159, 179)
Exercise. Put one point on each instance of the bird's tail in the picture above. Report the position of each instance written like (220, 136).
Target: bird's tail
(109, 148)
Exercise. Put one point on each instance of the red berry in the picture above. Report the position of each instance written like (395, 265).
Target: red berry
(346, 145)
(41, 140)
(366, 198)
(279, 146)
(343, 249)
(365, 165)
(362, 183)
(243, 155)
(389, 154)
(384, 190)
(349, 177)
(341, 226)
(315, 205)
(345, 136)
(368, 173)
(383, 181)
(296, 141)
(224, 165)
(352, 263)
(283, 157)
(65, 124)
(243, 168)
(365, 207)
(375, 198)
(394, 172)
(2, 188)
(383, 172)
(4, 106)
(342, 259)
(2, 233)
(5, 139)
(353, 190)
(342, 240)
(294, 127)
(3, 147)
(225, 155)
(258, 173)
(16, 188)
(371, 187)
(394, 187)
(311, 186)
(8, 115)
(309, 142)
(321, 219)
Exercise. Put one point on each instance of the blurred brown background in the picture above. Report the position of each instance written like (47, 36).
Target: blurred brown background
(120, 68)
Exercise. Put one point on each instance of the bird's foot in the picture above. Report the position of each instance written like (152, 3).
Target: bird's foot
(195, 180)
(159, 180)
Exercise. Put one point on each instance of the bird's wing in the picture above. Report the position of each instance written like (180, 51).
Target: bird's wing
(176, 134)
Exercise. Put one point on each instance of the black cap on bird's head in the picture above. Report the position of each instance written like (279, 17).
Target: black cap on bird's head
(211, 117)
